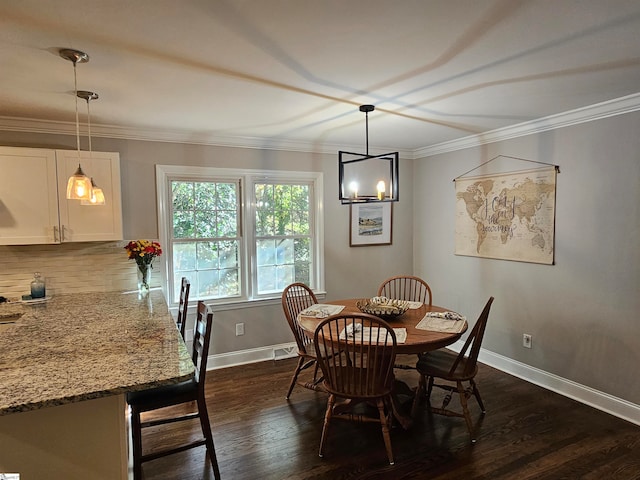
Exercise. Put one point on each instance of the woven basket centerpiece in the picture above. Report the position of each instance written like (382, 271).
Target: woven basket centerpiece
(383, 307)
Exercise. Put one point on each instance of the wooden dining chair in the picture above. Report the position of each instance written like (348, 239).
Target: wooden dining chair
(185, 392)
(357, 367)
(454, 369)
(295, 298)
(412, 289)
(183, 306)
(406, 287)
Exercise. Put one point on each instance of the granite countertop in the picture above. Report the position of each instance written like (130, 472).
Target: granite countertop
(77, 347)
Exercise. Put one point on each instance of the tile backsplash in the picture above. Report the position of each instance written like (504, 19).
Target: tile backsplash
(68, 268)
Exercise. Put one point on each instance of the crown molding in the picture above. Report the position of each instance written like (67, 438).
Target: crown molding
(598, 111)
(28, 125)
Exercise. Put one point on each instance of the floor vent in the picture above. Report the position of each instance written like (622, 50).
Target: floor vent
(286, 352)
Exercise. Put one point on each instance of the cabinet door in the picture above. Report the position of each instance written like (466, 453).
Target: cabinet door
(88, 223)
(28, 196)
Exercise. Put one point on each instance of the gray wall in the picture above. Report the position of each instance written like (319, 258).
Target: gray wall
(583, 312)
(350, 271)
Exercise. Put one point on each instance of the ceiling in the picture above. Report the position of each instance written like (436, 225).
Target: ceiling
(292, 73)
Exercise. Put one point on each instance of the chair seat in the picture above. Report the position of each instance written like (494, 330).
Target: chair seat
(438, 364)
(160, 397)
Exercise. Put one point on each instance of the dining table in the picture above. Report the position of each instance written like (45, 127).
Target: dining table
(420, 329)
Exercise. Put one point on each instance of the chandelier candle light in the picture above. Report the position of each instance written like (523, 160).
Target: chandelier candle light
(143, 252)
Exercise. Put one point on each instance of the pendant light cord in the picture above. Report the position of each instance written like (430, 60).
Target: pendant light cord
(75, 87)
(88, 125)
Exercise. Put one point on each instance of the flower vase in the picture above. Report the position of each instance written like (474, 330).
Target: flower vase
(144, 277)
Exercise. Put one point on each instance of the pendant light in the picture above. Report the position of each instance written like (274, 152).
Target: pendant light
(97, 195)
(79, 185)
(364, 178)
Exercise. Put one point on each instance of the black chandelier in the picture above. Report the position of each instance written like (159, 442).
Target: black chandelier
(367, 178)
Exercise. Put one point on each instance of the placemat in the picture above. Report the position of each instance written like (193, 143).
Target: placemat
(438, 322)
(372, 332)
(321, 310)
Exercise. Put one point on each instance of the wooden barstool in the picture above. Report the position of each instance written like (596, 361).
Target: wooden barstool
(189, 391)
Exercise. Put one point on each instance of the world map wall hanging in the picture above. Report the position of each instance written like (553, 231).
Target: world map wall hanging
(507, 216)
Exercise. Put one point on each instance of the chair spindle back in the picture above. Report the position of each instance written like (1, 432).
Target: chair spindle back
(406, 287)
(360, 365)
(474, 340)
(295, 298)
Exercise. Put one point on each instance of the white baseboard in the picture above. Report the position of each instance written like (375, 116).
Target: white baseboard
(594, 398)
(253, 355)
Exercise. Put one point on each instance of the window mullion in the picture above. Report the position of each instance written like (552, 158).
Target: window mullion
(249, 208)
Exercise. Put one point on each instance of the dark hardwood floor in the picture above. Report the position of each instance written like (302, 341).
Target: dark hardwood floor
(527, 433)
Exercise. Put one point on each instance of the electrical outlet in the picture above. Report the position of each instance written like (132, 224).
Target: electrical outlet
(239, 329)
(526, 340)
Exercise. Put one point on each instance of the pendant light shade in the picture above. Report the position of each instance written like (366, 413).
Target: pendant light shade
(365, 178)
(97, 196)
(79, 185)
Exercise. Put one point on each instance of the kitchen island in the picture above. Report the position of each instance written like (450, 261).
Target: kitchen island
(65, 366)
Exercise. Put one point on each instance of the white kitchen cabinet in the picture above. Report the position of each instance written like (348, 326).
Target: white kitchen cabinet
(33, 204)
(90, 223)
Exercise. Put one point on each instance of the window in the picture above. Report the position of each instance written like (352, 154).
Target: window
(205, 238)
(239, 235)
(283, 235)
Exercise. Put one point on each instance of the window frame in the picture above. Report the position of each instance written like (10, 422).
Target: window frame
(247, 179)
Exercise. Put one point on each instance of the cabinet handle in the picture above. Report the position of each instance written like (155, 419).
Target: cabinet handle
(62, 233)
(55, 233)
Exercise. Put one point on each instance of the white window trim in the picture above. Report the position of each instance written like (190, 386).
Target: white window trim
(166, 173)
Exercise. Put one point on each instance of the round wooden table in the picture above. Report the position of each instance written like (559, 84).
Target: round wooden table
(418, 341)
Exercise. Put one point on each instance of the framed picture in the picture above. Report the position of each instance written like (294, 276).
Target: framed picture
(370, 224)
